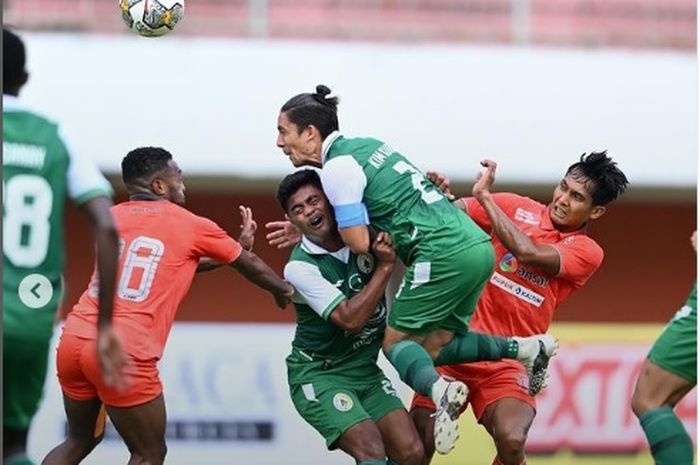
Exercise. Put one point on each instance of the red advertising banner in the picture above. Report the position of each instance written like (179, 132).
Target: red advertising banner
(586, 406)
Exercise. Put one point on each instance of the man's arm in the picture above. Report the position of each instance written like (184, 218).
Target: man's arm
(352, 315)
(344, 184)
(111, 356)
(356, 237)
(259, 273)
(526, 251)
(246, 239)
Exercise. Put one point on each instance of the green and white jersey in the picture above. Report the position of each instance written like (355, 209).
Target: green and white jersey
(323, 280)
(39, 171)
(366, 173)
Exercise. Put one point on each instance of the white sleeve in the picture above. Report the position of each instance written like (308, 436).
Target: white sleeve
(85, 181)
(312, 288)
(343, 181)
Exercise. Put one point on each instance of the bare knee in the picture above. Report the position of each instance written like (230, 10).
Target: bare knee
(411, 453)
(511, 446)
(370, 450)
(83, 445)
(154, 455)
(641, 404)
(436, 341)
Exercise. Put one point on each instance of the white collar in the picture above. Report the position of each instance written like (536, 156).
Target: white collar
(326, 146)
(314, 249)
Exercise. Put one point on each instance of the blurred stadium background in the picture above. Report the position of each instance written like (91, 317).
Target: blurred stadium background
(529, 83)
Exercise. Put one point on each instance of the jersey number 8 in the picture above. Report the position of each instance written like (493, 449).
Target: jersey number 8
(140, 265)
(26, 228)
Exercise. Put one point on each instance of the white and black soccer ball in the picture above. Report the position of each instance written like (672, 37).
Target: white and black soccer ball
(152, 18)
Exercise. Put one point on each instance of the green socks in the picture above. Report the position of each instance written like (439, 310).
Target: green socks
(417, 369)
(373, 462)
(669, 441)
(474, 347)
(414, 365)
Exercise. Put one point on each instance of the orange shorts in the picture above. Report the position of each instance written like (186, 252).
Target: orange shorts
(80, 375)
(488, 382)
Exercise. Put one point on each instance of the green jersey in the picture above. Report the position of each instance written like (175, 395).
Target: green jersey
(692, 300)
(675, 349)
(323, 280)
(398, 198)
(39, 171)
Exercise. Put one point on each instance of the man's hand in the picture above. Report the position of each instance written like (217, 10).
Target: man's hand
(284, 298)
(484, 181)
(442, 182)
(383, 249)
(248, 228)
(113, 360)
(282, 234)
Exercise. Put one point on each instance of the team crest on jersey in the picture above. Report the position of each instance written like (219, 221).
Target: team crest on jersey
(365, 263)
(342, 402)
(355, 282)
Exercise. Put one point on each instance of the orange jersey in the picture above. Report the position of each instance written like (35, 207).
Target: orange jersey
(519, 300)
(160, 247)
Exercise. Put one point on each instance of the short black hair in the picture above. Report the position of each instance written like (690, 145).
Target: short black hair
(295, 181)
(317, 109)
(143, 163)
(607, 180)
(13, 61)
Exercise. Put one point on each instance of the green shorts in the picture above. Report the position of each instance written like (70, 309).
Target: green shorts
(333, 404)
(24, 365)
(442, 293)
(675, 350)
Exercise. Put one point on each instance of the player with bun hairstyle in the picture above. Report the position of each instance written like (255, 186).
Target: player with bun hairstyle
(448, 257)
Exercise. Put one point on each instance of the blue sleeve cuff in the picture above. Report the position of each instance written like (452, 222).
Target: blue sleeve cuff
(351, 215)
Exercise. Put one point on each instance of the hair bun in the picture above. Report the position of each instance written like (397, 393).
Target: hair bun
(322, 91)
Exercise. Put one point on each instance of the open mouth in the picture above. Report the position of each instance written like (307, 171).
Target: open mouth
(315, 221)
(558, 212)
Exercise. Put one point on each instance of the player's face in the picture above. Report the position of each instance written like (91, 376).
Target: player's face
(572, 204)
(308, 209)
(302, 147)
(175, 185)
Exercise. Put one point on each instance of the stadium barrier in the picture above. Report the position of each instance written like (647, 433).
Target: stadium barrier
(227, 399)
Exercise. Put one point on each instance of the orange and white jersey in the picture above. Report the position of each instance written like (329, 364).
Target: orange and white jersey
(160, 247)
(519, 300)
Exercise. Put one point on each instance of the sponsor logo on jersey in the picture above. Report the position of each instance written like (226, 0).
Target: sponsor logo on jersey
(521, 292)
(509, 264)
(342, 402)
(365, 263)
(534, 278)
(526, 216)
(371, 331)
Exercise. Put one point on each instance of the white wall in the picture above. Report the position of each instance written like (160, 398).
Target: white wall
(214, 103)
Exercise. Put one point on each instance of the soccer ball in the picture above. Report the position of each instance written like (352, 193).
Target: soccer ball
(152, 18)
